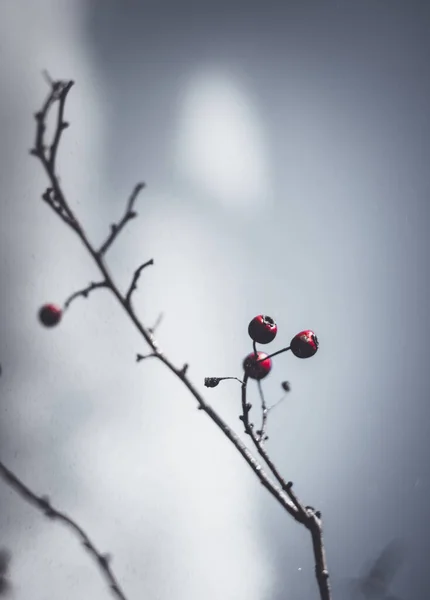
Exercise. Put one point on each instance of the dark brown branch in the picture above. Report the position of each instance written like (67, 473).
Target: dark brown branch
(284, 495)
(85, 292)
(134, 282)
(129, 214)
(42, 503)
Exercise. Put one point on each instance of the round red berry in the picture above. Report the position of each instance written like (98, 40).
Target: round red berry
(304, 344)
(50, 315)
(262, 329)
(257, 366)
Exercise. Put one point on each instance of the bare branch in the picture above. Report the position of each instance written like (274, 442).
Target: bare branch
(43, 504)
(284, 494)
(85, 292)
(129, 214)
(134, 281)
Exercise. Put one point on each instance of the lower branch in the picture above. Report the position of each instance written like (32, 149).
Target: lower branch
(42, 503)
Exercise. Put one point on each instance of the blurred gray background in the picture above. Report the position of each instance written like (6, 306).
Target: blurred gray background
(286, 150)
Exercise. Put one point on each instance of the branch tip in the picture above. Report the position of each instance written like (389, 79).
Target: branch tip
(134, 281)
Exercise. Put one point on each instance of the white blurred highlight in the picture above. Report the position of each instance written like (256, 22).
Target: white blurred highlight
(119, 448)
(220, 147)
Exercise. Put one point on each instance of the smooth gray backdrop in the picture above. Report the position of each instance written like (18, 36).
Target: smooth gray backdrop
(286, 150)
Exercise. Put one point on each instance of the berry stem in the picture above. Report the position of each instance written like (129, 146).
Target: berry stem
(274, 354)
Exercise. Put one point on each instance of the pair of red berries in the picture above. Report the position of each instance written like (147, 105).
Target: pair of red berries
(262, 330)
(50, 315)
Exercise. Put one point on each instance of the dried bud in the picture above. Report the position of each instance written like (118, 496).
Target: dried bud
(212, 381)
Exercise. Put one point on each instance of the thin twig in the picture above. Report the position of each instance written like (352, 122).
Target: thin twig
(134, 281)
(157, 323)
(42, 503)
(85, 292)
(129, 214)
(261, 433)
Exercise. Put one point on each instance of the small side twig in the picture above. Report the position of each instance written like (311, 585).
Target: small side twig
(85, 292)
(43, 504)
(140, 357)
(129, 214)
(156, 325)
(134, 281)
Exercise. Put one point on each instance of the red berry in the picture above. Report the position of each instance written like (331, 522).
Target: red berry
(262, 329)
(257, 366)
(304, 344)
(50, 315)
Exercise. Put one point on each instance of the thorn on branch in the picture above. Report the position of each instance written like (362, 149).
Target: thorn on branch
(55, 202)
(105, 559)
(184, 370)
(129, 214)
(140, 357)
(45, 505)
(134, 281)
(85, 292)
